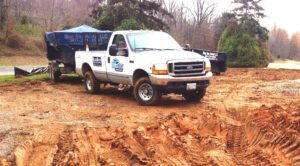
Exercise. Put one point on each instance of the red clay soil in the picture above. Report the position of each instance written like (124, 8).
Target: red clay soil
(248, 117)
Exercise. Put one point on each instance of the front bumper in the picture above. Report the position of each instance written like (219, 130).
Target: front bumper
(164, 80)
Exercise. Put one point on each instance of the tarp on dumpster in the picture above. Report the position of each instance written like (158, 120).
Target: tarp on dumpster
(78, 36)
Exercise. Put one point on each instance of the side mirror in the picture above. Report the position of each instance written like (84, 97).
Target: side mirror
(188, 47)
(113, 49)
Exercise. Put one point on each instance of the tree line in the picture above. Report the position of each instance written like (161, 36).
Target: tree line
(49, 14)
(237, 32)
(282, 46)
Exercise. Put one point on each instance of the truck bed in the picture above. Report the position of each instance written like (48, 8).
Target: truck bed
(97, 60)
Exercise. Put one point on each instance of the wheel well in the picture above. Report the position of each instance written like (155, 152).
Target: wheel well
(86, 67)
(138, 74)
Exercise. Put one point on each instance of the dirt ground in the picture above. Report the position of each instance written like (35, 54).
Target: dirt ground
(248, 117)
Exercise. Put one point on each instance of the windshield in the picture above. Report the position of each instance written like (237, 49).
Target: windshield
(144, 41)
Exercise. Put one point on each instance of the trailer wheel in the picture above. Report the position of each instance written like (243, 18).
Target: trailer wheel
(92, 85)
(145, 93)
(54, 75)
(195, 96)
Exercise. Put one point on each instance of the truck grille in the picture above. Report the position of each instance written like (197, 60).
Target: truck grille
(180, 69)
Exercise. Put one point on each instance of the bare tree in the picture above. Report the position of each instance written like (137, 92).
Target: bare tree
(279, 43)
(191, 24)
(53, 14)
(202, 12)
(295, 47)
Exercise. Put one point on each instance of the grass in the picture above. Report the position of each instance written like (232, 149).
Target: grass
(10, 79)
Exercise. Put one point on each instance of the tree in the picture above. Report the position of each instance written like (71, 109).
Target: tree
(221, 23)
(279, 43)
(191, 25)
(245, 40)
(248, 9)
(111, 14)
(202, 12)
(51, 14)
(243, 49)
(3, 13)
(295, 47)
(248, 12)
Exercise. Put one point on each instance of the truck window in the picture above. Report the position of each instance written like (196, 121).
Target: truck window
(152, 41)
(119, 40)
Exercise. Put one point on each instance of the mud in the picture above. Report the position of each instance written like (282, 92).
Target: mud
(248, 117)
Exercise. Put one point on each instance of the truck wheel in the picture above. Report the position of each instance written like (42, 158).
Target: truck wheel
(54, 75)
(92, 85)
(195, 96)
(145, 93)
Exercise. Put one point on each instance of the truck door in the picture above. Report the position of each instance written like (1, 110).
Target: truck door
(118, 65)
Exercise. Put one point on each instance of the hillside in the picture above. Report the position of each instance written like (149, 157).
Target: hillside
(24, 46)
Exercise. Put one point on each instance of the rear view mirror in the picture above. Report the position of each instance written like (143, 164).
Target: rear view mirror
(113, 49)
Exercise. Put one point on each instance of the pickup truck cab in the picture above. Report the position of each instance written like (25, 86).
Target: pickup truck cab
(150, 61)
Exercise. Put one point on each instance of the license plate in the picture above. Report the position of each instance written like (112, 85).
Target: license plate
(191, 86)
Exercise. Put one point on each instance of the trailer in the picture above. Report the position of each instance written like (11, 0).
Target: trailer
(62, 45)
(218, 60)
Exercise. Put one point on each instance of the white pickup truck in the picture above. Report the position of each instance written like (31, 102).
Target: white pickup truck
(152, 62)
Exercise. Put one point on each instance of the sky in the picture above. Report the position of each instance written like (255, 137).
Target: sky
(284, 14)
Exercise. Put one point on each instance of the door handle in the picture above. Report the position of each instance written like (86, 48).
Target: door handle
(131, 61)
(108, 60)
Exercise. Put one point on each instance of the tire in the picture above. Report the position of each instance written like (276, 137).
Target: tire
(194, 96)
(92, 85)
(53, 75)
(145, 93)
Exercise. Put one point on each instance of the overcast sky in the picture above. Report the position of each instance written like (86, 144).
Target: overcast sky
(284, 14)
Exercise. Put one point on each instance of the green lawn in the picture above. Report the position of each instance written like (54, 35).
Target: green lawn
(10, 79)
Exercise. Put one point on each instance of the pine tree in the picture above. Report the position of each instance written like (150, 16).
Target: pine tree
(248, 9)
(245, 39)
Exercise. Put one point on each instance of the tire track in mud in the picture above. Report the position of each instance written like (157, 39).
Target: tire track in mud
(282, 136)
(242, 144)
(182, 144)
(172, 140)
(75, 147)
(249, 140)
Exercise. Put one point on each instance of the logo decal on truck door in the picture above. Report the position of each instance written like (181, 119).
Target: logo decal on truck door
(117, 65)
(97, 61)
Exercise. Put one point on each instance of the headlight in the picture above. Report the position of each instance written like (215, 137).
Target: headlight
(207, 66)
(160, 69)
